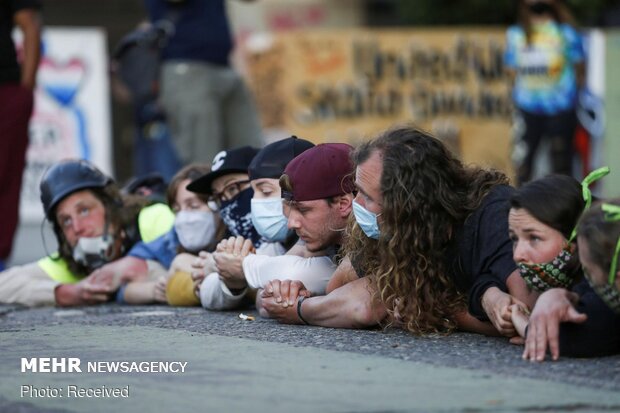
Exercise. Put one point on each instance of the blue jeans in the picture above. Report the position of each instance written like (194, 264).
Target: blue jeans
(153, 147)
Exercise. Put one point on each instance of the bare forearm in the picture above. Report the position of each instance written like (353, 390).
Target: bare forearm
(350, 306)
(30, 24)
(343, 275)
(518, 289)
(127, 269)
(139, 292)
(467, 322)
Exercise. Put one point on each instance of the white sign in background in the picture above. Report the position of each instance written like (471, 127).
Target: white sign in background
(71, 117)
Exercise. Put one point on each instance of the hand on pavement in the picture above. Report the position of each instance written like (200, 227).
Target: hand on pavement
(279, 300)
(553, 307)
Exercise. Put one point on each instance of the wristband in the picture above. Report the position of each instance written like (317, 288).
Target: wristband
(299, 301)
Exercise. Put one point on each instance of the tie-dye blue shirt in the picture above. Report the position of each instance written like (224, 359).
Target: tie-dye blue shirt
(545, 74)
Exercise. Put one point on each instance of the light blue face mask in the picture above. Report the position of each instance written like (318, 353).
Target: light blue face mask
(366, 220)
(269, 220)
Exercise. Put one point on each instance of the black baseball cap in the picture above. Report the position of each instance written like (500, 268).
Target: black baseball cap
(224, 163)
(153, 181)
(273, 158)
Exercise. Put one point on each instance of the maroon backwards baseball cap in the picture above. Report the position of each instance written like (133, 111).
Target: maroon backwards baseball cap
(320, 172)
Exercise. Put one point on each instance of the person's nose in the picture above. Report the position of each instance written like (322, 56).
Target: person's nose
(293, 220)
(77, 226)
(520, 254)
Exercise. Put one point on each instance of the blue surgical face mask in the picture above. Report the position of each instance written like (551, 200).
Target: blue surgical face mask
(269, 220)
(366, 220)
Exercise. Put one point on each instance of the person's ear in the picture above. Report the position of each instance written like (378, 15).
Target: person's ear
(345, 205)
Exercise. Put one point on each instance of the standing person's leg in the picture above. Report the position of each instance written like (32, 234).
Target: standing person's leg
(527, 141)
(190, 95)
(141, 151)
(561, 129)
(154, 150)
(241, 119)
(16, 105)
(209, 134)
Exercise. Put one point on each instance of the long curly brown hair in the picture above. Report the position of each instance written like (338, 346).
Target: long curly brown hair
(426, 192)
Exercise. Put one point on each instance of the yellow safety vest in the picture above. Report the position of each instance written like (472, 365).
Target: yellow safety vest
(153, 222)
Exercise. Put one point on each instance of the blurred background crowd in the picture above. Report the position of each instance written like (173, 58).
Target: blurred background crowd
(328, 71)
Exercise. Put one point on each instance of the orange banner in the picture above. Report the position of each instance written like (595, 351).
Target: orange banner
(348, 85)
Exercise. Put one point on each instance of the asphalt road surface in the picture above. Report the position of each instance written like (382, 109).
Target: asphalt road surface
(234, 365)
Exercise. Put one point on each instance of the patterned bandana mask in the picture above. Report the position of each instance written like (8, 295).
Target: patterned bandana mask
(238, 218)
(542, 277)
(553, 274)
(609, 292)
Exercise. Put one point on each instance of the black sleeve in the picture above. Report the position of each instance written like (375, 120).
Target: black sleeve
(492, 261)
(18, 5)
(356, 264)
(598, 336)
(476, 292)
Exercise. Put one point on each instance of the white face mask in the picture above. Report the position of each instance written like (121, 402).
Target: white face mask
(94, 252)
(195, 229)
(269, 220)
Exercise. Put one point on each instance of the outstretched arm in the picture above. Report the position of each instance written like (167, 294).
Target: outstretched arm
(29, 22)
(343, 274)
(121, 271)
(467, 322)
(496, 303)
(86, 292)
(145, 292)
(350, 306)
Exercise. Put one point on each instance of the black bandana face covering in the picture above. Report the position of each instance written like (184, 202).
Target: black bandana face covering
(237, 216)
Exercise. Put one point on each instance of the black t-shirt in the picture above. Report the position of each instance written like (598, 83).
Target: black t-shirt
(599, 335)
(201, 30)
(9, 69)
(480, 254)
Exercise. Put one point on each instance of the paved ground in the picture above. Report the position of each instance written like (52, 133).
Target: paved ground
(235, 365)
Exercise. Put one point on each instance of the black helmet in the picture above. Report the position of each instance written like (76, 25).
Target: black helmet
(66, 177)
